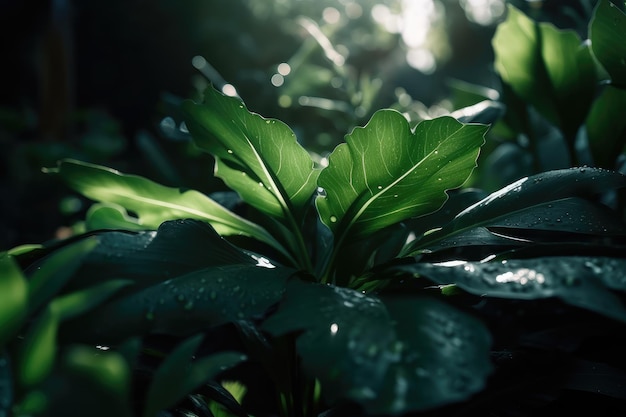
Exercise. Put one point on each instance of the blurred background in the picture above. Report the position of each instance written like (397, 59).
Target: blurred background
(101, 81)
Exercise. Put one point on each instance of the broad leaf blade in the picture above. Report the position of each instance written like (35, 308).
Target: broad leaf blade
(580, 281)
(607, 31)
(522, 195)
(392, 356)
(549, 68)
(385, 173)
(154, 203)
(185, 304)
(257, 157)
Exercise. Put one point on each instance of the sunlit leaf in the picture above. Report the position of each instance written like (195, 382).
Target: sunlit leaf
(154, 203)
(185, 304)
(580, 281)
(392, 356)
(385, 173)
(111, 216)
(523, 195)
(549, 68)
(257, 157)
(606, 126)
(13, 298)
(607, 31)
(178, 375)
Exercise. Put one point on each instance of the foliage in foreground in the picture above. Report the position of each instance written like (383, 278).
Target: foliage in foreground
(374, 285)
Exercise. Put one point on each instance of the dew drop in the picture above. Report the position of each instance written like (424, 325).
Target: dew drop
(380, 187)
(230, 151)
(333, 219)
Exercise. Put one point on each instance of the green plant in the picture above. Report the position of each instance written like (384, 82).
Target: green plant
(377, 284)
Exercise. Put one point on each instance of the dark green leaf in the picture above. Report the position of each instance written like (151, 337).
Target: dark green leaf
(524, 194)
(392, 356)
(606, 126)
(579, 281)
(154, 203)
(53, 271)
(147, 258)
(178, 375)
(573, 214)
(385, 173)
(13, 298)
(186, 304)
(549, 68)
(257, 157)
(607, 31)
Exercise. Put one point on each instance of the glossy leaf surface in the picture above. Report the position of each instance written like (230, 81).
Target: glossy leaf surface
(154, 203)
(257, 157)
(391, 355)
(186, 304)
(549, 68)
(147, 258)
(584, 282)
(385, 173)
(524, 195)
(607, 32)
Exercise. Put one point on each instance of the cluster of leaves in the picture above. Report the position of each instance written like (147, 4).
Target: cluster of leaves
(374, 285)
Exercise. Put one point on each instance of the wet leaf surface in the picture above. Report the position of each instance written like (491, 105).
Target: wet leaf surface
(391, 355)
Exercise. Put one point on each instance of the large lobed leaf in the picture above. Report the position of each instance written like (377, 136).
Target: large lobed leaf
(386, 173)
(257, 157)
(549, 68)
(391, 355)
(154, 203)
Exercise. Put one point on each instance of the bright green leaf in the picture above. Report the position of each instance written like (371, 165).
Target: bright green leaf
(257, 157)
(549, 68)
(607, 31)
(38, 349)
(111, 216)
(154, 203)
(385, 173)
(178, 375)
(580, 281)
(13, 298)
(392, 356)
